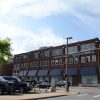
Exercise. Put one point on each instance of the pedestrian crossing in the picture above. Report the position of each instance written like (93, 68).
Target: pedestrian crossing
(94, 96)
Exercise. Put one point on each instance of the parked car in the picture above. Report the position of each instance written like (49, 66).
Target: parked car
(32, 82)
(6, 86)
(19, 85)
(43, 84)
(60, 83)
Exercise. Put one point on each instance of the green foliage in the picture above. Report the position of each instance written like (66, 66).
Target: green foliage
(5, 50)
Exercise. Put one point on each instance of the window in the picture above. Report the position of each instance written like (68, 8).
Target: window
(17, 71)
(91, 79)
(70, 60)
(36, 55)
(82, 59)
(42, 55)
(87, 59)
(75, 60)
(57, 52)
(32, 56)
(31, 64)
(45, 63)
(52, 62)
(56, 62)
(88, 46)
(34, 64)
(93, 58)
(60, 61)
(46, 53)
(71, 50)
(25, 65)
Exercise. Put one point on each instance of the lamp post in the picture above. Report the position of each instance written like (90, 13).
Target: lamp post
(67, 61)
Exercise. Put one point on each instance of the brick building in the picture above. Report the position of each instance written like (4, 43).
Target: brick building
(47, 63)
(6, 69)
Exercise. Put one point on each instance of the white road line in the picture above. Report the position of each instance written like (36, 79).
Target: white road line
(82, 94)
(96, 96)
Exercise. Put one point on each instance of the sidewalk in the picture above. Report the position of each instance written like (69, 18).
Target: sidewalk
(36, 95)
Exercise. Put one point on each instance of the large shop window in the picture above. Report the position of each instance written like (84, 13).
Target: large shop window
(91, 79)
(88, 71)
(55, 72)
(32, 73)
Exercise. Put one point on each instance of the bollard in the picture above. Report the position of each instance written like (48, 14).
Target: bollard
(53, 87)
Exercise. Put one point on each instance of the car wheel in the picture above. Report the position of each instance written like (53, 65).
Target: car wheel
(1, 91)
(21, 90)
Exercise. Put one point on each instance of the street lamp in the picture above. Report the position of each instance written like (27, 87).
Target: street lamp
(67, 61)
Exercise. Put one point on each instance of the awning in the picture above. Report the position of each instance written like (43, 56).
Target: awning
(88, 71)
(71, 71)
(42, 73)
(23, 73)
(55, 72)
(32, 73)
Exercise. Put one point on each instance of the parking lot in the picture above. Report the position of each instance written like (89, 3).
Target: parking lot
(38, 93)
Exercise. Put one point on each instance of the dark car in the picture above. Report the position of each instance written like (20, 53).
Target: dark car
(43, 85)
(32, 82)
(19, 85)
(6, 86)
(60, 83)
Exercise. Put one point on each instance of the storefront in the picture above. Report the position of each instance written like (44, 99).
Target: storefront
(42, 75)
(88, 75)
(72, 75)
(32, 75)
(23, 75)
(56, 74)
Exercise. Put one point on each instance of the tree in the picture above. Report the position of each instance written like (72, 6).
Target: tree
(5, 50)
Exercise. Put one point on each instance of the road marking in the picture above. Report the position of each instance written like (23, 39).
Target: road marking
(96, 96)
(82, 94)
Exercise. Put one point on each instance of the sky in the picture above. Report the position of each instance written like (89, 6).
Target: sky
(31, 24)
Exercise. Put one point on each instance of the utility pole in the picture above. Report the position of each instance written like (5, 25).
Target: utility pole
(67, 61)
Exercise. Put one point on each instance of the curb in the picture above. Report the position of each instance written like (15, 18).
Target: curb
(45, 97)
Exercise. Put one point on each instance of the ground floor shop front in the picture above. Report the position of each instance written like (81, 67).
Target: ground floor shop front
(84, 75)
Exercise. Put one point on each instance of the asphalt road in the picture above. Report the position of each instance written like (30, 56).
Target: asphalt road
(83, 94)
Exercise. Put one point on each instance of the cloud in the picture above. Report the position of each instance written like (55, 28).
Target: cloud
(24, 41)
(43, 8)
(35, 8)
(87, 11)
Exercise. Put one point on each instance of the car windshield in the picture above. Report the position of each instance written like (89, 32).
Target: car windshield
(12, 79)
(2, 79)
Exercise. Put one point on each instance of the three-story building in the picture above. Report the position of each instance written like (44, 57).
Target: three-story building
(49, 63)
